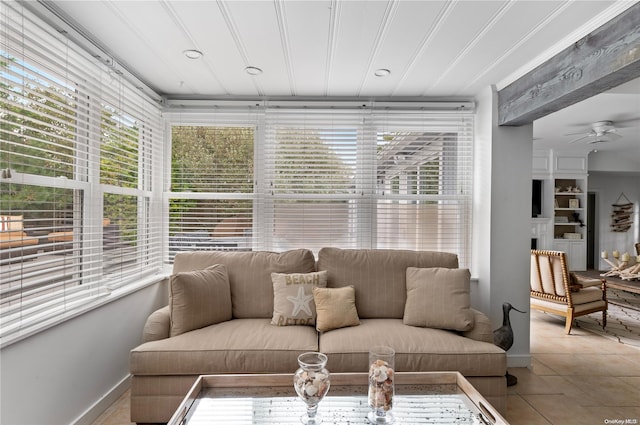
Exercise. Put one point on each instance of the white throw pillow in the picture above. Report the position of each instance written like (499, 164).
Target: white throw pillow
(293, 297)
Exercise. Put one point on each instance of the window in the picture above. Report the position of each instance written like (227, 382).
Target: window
(211, 205)
(424, 185)
(308, 178)
(77, 147)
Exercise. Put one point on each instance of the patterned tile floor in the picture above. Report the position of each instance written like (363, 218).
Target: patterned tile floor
(581, 379)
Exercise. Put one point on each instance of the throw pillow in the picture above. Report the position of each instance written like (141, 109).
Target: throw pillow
(336, 308)
(438, 298)
(293, 297)
(199, 298)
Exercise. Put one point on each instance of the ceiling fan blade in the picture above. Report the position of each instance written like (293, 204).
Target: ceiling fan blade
(617, 122)
(613, 135)
(599, 140)
(581, 138)
(587, 133)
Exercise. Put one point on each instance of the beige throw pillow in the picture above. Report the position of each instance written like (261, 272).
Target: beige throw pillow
(336, 308)
(293, 297)
(438, 298)
(199, 298)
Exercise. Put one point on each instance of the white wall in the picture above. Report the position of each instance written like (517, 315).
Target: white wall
(502, 211)
(58, 375)
(608, 186)
(616, 162)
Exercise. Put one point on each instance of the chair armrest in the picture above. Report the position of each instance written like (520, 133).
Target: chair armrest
(585, 281)
(482, 329)
(157, 325)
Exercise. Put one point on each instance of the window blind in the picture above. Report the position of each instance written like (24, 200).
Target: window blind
(212, 188)
(78, 145)
(424, 172)
(316, 179)
(370, 179)
(310, 177)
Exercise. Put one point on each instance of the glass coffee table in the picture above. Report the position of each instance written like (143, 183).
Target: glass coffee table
(420, 398)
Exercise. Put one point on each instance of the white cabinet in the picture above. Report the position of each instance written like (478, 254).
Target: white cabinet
(576, 253)
(541, 232)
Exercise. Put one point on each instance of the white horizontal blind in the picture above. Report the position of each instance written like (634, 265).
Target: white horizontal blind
(211, 202)
(352, 178)
(363, 179)
(315, 184)
(78, 143)
(424, 165)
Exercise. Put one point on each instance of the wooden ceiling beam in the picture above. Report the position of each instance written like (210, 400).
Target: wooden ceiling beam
(605, 58)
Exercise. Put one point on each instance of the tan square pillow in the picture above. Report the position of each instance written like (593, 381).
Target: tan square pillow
(293, 297)
(336, 308)
(199, 298)
(438, 298)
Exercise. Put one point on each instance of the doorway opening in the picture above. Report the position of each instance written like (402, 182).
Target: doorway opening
(592, 231)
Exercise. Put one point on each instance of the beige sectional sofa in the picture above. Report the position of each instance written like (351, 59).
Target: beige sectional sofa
(242, 338)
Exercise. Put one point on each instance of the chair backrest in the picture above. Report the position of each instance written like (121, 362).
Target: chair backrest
(549, 273)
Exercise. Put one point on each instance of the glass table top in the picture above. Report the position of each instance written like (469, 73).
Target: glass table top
(275, 402)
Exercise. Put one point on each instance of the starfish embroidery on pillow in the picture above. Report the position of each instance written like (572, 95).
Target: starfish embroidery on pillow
(301, 302)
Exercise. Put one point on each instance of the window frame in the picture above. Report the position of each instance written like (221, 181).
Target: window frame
(60, 67)
(371, 122)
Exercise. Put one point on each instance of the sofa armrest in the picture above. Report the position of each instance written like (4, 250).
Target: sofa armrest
(481, 329)
(157, 325)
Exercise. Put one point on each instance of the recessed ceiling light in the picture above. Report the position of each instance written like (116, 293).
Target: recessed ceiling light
(382, 72)
(253, 70)
(193, 54)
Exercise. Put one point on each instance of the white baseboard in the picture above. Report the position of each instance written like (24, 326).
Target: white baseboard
(519, 360)
(94, 412)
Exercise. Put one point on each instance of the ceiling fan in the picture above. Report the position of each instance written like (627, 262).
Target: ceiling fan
(601, 131)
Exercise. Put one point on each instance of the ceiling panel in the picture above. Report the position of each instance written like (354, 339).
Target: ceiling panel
(308, 27)
(452, 35)
(207, 31)
(331, 48)
(491, 47)
(398, 42)
(354, 45)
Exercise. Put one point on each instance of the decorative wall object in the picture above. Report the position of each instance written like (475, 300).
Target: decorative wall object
(621, 216)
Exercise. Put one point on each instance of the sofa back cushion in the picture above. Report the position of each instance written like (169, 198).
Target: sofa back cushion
(378, 275)
(249, 275)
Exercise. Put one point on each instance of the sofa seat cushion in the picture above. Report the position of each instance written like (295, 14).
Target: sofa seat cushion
(235, 346)
(417, 349)
(564, 308)
(378, 275)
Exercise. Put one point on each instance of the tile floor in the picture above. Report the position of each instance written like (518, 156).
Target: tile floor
(581, 379)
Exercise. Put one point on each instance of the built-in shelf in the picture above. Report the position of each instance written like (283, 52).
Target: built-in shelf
(569, 230)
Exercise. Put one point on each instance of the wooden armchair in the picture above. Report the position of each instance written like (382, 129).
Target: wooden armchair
(555, 290)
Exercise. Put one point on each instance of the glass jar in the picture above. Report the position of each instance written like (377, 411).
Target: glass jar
(311, 382)
(381, 384)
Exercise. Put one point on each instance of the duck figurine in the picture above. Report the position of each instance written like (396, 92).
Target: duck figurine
(503, 336)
